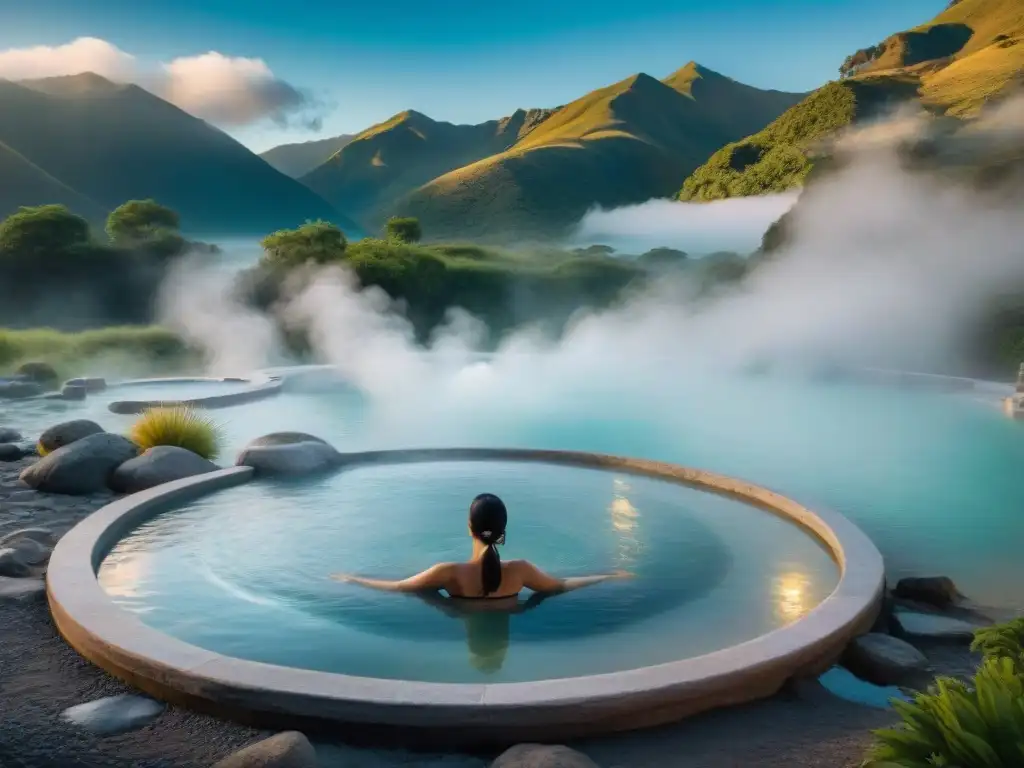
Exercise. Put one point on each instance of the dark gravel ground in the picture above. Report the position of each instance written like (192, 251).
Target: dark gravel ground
(40, 677)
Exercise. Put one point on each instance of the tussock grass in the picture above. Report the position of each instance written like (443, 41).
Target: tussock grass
(183, 427)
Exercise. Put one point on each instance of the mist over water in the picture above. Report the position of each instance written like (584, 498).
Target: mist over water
(696, 228)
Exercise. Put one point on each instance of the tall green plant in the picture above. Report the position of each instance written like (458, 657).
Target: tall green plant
(1003, 641)
(958, 724)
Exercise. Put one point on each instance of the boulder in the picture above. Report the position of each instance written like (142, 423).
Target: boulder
(81, 468)
(11, 452)
(9, 435)
(91, 383)
(40, 535)
(289, 749)
(932, 626)
(160, 464)
(542, 756)
(21, 589)
(66, 433)
(17, 390)
(113, 714)
(13, 565)
(885, 660)
(939, 591)
(40, 373)
(73, 392)
(288, 453)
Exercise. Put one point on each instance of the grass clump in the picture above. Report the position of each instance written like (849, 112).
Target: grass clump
(1002, 641)
(958, 724)
(180, 426)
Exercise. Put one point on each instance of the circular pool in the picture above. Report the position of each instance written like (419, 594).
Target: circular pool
(224, 601)
(709, 572)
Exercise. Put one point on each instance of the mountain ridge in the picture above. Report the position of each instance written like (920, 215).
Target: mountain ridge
(109, 142)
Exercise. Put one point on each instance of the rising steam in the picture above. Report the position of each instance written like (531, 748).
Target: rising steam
(884, 267)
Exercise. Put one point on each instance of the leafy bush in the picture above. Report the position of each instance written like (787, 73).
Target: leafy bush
(959, 725)
(141, 220)
(1002, 641)
(319, 242)
(403, 229)
(179, 426)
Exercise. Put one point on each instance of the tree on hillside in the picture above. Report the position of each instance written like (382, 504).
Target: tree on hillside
(403, 229)
(318, 241)
(139, 221)
(41, 232)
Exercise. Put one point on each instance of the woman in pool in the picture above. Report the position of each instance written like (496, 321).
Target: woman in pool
(484, 575)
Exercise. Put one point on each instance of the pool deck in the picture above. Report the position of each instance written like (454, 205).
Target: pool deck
(437, 714)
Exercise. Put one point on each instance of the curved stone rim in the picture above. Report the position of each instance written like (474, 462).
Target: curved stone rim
(260, 386)
(161, 665)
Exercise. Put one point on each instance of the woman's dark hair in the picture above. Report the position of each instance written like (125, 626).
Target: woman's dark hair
(487, 520)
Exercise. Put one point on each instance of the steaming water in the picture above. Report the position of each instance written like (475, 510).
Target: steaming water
(245, 572)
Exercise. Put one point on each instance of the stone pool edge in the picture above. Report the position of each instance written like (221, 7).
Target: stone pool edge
(261, 386)
(456, 714)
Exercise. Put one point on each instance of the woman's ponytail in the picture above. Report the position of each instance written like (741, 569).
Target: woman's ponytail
(490, 569)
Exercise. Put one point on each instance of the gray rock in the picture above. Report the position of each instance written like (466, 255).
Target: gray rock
(91, 383)
(289, 749)
(935, 627)
(160, 464)
(73, 392)
(284, 438)
(21, 589)
(13, 565)
(9, 435)
(16, 390)
(288, 453)
(113, 714)
(885, 660)
(939, 591)
(542, 756)
(68, 432)
(81, 468)
(11, 452)
(42, 536)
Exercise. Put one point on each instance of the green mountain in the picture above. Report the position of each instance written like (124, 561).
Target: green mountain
(965, 58)
(92, 144)
(536, 173)
(297, 160)
(391, 159)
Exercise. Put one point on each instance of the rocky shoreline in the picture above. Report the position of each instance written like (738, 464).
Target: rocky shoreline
(56, 709)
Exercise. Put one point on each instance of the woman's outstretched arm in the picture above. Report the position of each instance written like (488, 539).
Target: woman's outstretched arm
(534, 578)
(435, 577)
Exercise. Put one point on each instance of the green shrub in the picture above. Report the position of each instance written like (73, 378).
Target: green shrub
(179, 426)
(1002, 641)
(958, 724)
(319, 242)
(139, 221)
(403, 229)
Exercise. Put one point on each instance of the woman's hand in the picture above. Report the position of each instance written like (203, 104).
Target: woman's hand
(344, 577)
(620, 574)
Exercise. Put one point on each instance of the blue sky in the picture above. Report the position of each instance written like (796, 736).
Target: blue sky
(473, 60)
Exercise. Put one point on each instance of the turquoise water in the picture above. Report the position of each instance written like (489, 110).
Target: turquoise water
(246, 572)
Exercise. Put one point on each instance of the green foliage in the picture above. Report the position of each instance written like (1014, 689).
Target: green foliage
(403, 229)
(319, 242)
(956, 724)
(37, 370)
(138, 221)
(182, 427)
(1002, 641)
(41, 232)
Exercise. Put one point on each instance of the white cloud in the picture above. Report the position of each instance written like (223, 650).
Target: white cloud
(228, 91)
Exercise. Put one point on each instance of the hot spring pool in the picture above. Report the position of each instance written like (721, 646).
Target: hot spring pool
(244, 572)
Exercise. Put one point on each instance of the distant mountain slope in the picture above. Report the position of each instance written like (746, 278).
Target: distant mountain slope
(392, 158)
(110, 143)
(296, 160)
(621, 144)
(22, 183)
(968, 56)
